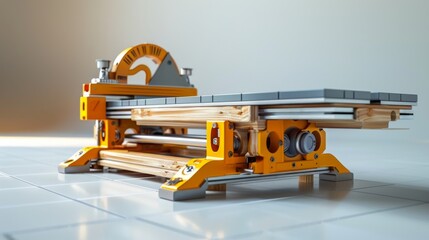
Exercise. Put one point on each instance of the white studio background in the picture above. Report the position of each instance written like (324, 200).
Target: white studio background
(48, 49)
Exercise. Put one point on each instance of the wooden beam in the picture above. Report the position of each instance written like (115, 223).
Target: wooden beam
(170, 123)
(350, 124)
(195, 114)
(93, 89)
(137, 168)
(376, 114)
(145, 159)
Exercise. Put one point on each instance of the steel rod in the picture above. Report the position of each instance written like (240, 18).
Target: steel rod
(263, 177)
(163, 139)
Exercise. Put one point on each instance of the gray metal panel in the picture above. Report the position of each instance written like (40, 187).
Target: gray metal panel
(349, 94)
(192, 99)
(133, 102)
(207, 99)
(322, 93)
(171, 100)
(155, 101)
(168, 74)
(395, 97)
(301, 94)
(114, 103)
(309, 116)
(263, 102)
(408, 98)
(379, 96)
(308, 110)
(125, 103)
(227, 97)
(141, 102)
(260, 96)
(398, 103)
(364, 95)
(333, 93)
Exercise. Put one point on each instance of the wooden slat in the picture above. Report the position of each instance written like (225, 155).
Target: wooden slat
(376, 114)
(137, 168)
(145, 159)
(178, 151)
(170, 123)
(350, 124)
(93, 89)
(195, 114)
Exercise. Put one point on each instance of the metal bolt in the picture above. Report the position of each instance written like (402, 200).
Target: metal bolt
(174, 181)
(215, 142)
(188, 169)
(272, 159)
(103, 66)
(214, 125)
(316, 156)
(186, 71)
(280, 143)
(230, 154)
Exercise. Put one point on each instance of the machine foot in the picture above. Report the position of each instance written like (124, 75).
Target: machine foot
(74, 169)
(335, 177)
(183, 194)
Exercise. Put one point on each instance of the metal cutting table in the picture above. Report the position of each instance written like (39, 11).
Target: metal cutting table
(240, 137)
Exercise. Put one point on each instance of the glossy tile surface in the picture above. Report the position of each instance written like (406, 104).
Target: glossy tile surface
(9, 182)
(47, 179)
(394, 224)
(27, 196)
(104, 188)
(258, 216)
(389, 199)
(111, 230)
(32, 217)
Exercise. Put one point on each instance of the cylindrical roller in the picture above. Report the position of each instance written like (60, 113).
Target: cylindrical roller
(165, 139)
(306, 142)
(290, 139)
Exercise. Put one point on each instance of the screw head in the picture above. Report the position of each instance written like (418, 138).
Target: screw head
(230, 154)
(188, 169)
(272, 159)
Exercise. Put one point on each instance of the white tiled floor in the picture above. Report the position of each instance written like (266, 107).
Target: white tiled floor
(389, 199)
